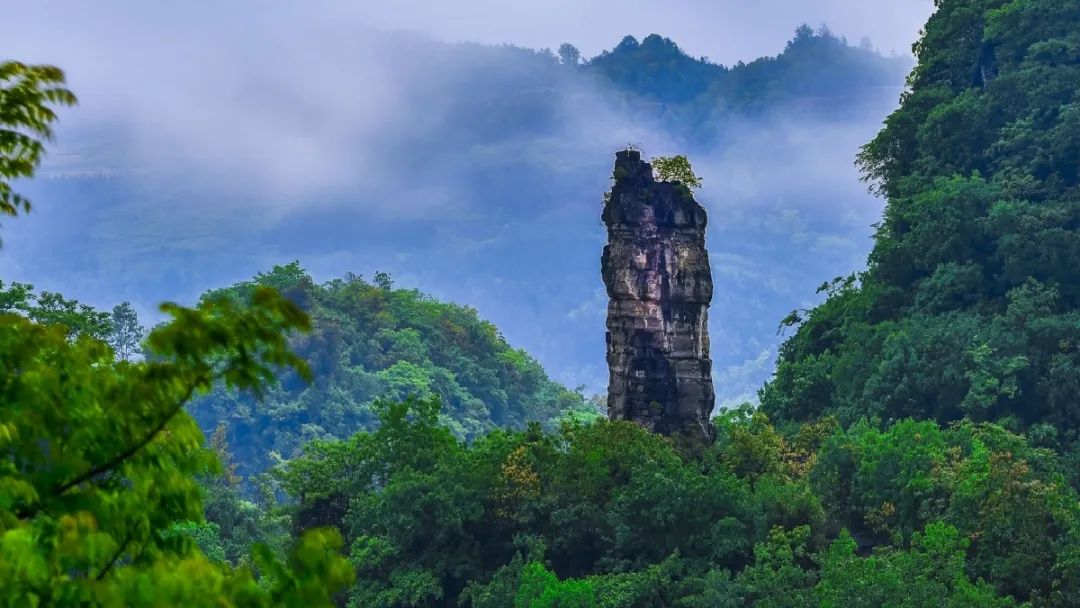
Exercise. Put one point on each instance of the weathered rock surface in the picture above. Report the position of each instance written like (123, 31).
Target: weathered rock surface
(656, 270)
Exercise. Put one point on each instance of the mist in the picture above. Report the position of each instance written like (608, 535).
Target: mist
(212, 142)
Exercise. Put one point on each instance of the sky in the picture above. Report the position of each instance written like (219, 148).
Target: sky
(233, 85)
(723, 30)
(726, 31)
(215, 139)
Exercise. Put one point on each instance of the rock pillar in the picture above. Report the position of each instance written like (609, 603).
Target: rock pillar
(656, 270)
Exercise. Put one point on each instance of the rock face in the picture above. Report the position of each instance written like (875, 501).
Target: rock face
(656, 270)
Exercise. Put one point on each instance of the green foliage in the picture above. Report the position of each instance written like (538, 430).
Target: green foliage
(670, 582)
(540, 588)
(99, 502)
(29, 96)
(205, 535)
(676, 169)
(782, 574)
(699, 100)
(930, 574)
(430, 519)
(125, 335)
(101, 461)
(967, 314)
(50, 308)
(120, 329)
(371, 341)
(607, 514)
(1007, 499)
(970, 306)
(240, 521)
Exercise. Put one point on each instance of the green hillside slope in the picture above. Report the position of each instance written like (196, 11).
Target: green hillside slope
(971, 303)
(372, 341)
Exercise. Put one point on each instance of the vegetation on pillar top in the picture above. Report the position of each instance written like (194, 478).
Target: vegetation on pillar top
(675, 169)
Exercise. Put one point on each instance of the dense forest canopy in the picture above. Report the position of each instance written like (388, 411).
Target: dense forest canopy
(369, 342)
(696, 98)
(610, 515)
(814, 63)
(969, 307)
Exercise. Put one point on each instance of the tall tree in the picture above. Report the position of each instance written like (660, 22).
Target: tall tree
(125, 334)
(569, 54)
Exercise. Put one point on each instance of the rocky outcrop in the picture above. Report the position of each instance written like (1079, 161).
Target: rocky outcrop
(656, 270)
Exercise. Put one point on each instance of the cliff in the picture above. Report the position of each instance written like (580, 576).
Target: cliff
(656, 270)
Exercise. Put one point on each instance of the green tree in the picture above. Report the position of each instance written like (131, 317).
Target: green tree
(99, 501)
(125, 333)
(676, 169)
(29, 95)
(50, 308)
(540, 588)
(101, 459)
(782, 575)
(929, 575)
(16, 298)
(1007, 499)
(432, 519)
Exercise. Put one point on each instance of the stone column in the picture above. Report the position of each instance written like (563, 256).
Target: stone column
(656, 270)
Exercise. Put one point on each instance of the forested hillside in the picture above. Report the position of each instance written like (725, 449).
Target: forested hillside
(814, 63)
(970, 306)
(370, 341)
(611, 515)
(697, 100)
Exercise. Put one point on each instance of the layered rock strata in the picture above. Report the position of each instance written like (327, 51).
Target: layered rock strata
(656, 270)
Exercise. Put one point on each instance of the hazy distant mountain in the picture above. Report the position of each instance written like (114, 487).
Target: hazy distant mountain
(474, 173)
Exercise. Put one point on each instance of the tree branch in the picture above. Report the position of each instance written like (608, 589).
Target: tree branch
(116, 460)
(128, 453)
(116, 557)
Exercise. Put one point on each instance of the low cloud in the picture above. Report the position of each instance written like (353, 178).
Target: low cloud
(216, 139)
